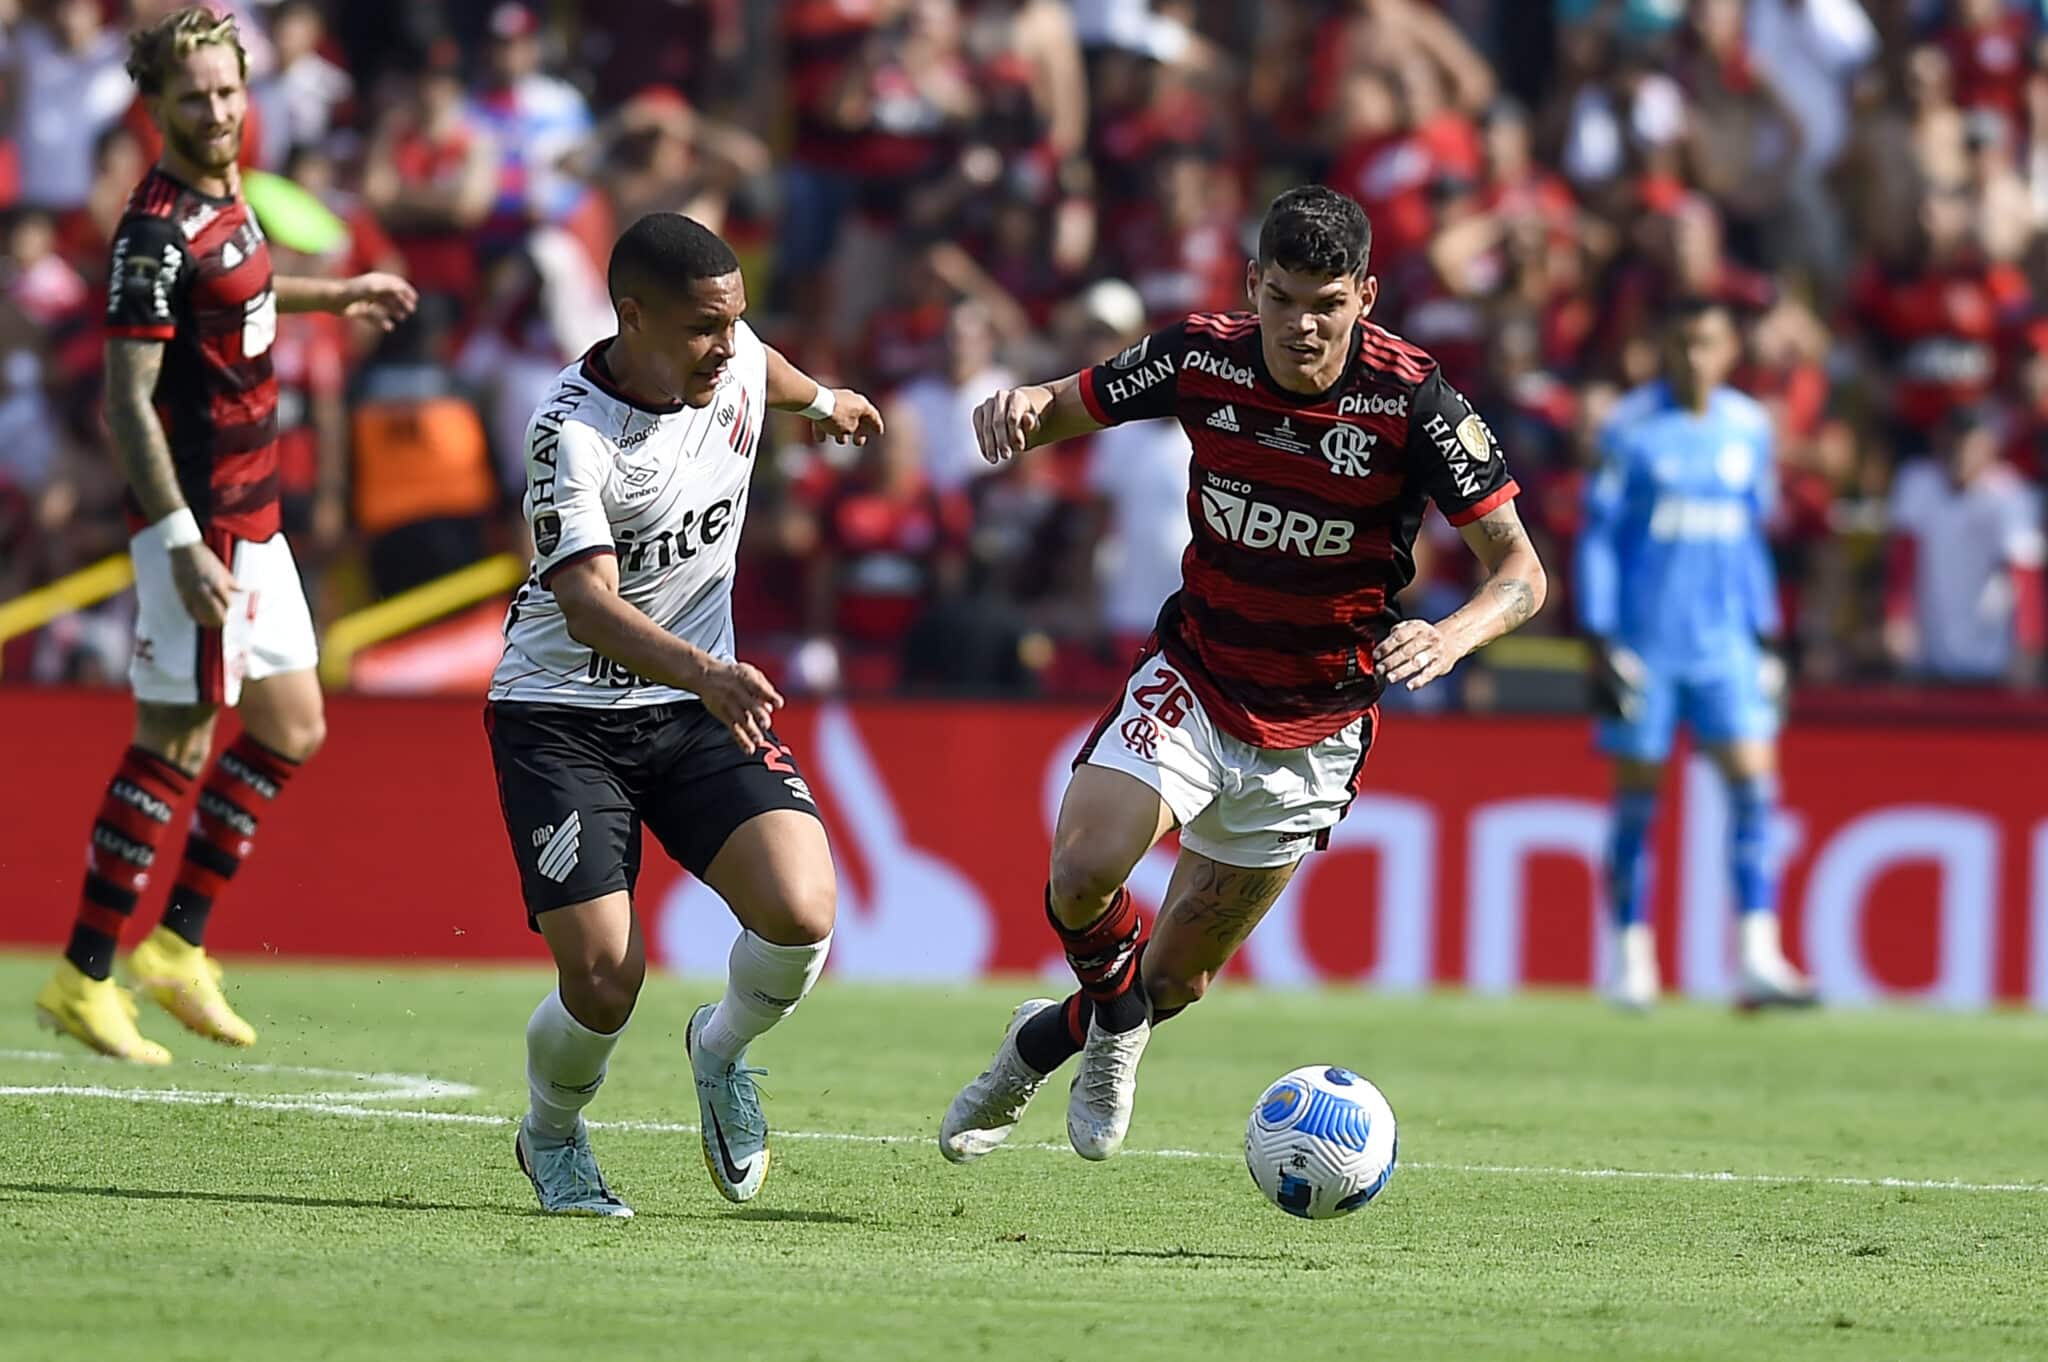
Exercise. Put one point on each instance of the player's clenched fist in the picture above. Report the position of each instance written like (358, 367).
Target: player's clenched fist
(1003, 425)
(742, 699)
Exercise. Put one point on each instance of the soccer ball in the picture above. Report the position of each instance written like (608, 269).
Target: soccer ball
(1321, 1142)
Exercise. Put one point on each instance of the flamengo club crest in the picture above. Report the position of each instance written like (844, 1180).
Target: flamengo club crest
(1349, 450)
(1141, 735)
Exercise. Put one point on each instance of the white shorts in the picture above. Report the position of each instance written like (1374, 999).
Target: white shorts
(1255, 807)
(268, 631)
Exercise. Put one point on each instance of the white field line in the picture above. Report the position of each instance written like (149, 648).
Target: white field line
(386, 1087)
(324, 1104)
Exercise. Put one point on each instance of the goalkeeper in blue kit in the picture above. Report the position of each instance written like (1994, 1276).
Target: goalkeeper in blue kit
(1675, 589)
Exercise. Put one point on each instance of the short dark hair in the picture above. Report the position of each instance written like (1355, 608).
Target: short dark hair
(1316, 230)
(664, 253)
(1685, 308)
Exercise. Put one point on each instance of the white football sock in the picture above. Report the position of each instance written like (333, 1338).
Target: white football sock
(763, 984)
(565, 1063)
(1762, 950)
(1638, 951)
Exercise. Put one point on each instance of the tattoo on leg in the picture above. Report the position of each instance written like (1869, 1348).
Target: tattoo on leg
(1225, 902)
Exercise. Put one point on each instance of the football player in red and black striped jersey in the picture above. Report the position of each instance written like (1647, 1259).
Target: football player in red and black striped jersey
(1319, 439)
(192, 310)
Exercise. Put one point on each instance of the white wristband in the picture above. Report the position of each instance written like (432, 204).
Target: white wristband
(180, 529)
(821, 405)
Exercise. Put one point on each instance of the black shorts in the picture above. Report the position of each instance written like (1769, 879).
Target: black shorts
(577, 782)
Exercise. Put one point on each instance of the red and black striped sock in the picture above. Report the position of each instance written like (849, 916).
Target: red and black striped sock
(236, 795)
(1057, 1034)
(1104, 956)
(133, 819)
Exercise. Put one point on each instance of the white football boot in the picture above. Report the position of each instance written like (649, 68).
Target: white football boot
(564, 1174)
(983, 1113)
(1768, 978)
(1099, 1104)
(733, 1128)
(1635, 984)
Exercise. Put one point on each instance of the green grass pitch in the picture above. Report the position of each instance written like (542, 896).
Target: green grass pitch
(1573, 1184)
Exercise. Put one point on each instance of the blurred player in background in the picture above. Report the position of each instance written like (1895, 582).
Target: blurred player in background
(1676, 591)
(220, 616)
(1319, 439)
(619, 703)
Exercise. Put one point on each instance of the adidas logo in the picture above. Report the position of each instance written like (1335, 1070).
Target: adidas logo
(1225, 418)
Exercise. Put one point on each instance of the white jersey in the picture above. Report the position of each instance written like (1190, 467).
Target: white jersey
(662, 490)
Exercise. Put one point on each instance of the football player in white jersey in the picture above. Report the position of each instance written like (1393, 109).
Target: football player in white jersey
(619, 701)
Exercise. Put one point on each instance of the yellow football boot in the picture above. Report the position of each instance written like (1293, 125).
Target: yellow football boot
(184, 981)
(98, 1012)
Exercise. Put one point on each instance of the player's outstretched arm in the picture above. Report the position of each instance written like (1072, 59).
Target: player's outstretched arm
(1017, 419)
(204, 582)
(840, 413)
(383, 300)
(738, 695)
(1417, 652)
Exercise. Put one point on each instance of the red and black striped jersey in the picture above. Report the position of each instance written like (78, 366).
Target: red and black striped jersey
(1304, 510)
(193, 271)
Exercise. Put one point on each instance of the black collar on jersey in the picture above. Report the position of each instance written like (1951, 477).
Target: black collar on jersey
(595, 369)
(1309, 399)
(199, 194)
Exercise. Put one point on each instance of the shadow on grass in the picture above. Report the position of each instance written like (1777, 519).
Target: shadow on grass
(791, 1213)
(388, 1203)
(1177, 1254)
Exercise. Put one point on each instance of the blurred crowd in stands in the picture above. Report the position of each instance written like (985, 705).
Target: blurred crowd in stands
(936, 198)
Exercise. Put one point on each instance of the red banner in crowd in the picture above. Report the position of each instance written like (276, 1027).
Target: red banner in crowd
(1916, 861)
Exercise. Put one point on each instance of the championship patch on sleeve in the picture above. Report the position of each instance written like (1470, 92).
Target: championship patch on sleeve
(1476, 438)
(547, 532)
(1132, 355)
(142, 281)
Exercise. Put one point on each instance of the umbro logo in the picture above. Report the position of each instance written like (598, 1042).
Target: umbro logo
(1225, 418)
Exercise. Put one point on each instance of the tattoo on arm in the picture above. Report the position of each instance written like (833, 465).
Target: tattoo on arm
(1503, 529)
(1516, 601)
(1225, 902)
(1514, 588)
(139, 443)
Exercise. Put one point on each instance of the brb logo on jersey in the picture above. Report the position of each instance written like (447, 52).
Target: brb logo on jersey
(1229, 510)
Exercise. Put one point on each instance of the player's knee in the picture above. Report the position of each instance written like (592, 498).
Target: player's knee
(1086, 870)
(800, 913)
(601, 993)
(303, 737)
